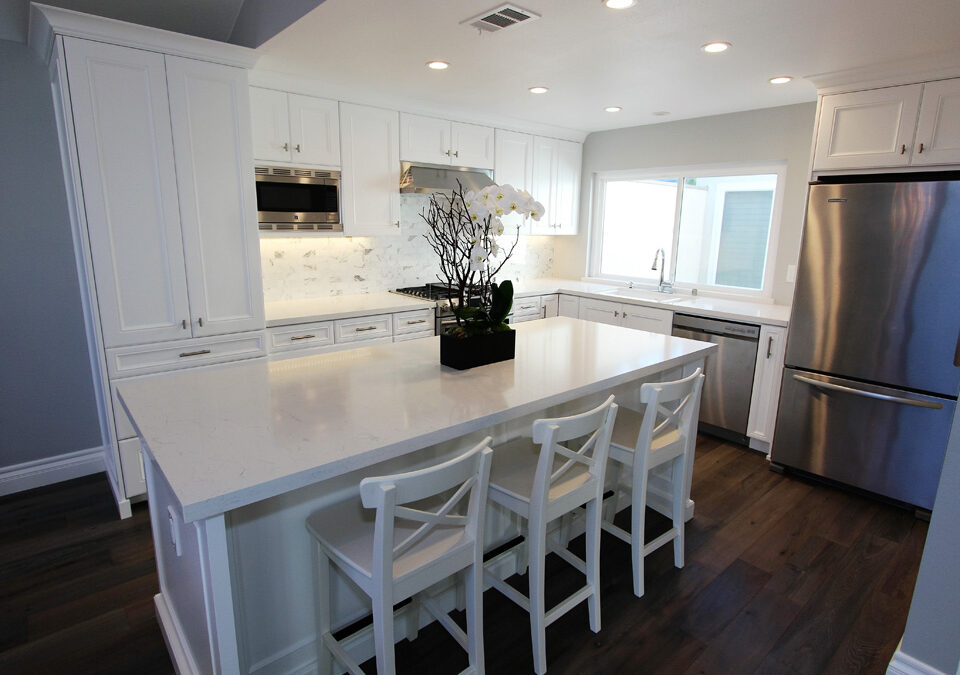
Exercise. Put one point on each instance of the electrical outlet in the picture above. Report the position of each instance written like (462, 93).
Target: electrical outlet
(791, 274)
(174, 530)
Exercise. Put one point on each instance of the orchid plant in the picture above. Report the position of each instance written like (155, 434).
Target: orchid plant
(466, 230)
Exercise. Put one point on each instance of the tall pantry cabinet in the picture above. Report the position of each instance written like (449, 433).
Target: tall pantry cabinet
(157, 153)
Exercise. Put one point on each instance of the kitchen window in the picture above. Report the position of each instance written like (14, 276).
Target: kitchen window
(716, 225)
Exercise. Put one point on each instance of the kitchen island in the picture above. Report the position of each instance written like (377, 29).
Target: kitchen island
(236, 456)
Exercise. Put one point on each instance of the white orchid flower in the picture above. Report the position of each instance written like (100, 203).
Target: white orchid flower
(536, 211)
(497, 227)
(478, 258)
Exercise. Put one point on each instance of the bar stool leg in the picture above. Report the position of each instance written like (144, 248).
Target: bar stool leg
(638, 513)
(322, 590)
(678, 512)
(383, 631)
(474, 606)
(536, 541)
(593, 562)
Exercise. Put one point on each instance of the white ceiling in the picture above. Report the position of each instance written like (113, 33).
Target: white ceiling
(645, 59)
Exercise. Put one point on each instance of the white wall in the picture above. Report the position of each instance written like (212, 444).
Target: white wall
(47, 405)
(766, 135)
(932, 635)
(315, 266)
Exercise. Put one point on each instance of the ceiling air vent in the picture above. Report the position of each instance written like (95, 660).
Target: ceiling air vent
(499, 18)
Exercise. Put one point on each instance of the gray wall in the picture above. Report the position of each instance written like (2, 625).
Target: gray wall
(932, 634)
(770, 134)
(47, 404)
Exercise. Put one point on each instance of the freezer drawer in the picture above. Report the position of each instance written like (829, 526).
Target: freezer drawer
(884, 440)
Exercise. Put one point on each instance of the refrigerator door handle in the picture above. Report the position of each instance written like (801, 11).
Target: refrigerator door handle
(867, 394)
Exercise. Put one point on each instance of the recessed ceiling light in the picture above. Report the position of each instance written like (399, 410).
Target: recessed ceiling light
(715, 47)
(619, 4)
(782, 79)
(438, 65)
(612, 108)
(538, 90)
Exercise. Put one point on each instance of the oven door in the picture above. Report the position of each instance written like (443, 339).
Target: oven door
(295, 203)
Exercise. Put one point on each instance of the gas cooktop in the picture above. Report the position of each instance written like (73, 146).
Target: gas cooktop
(435, 291)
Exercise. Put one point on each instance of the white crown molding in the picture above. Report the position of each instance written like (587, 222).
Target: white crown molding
(921, 69)
(46, 22)
(904, 664)
(40, 472)
(281, 81)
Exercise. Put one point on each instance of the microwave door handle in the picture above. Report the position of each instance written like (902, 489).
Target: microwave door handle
(867, 394)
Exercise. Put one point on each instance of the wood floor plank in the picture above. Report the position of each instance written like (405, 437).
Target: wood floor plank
(782, 576)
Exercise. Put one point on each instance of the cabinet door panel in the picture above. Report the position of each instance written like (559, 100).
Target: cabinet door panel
(766, 383)
(601, 311)
(271, 125)
(370, 179)
(566, 199)
(570, 306)
(938, 129)
(122, 125)
(545, 161)
(871, 128)
(550, 304)
(211, 132)
(514, 167)
(473, 145)
(314, 131)
(424, 139)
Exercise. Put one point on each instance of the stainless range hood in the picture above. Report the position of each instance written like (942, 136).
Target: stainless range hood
(416, 177)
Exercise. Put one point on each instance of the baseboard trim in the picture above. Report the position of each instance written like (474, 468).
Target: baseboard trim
(40, 472)
(904, 664)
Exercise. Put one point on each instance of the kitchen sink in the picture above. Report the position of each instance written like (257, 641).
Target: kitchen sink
(642, 294)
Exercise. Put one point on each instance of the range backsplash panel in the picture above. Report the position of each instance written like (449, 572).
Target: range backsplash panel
(317, 266)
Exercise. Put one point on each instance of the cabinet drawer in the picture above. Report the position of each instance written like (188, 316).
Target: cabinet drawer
(526, 307)
(363, 328)
(413, 336)
(157, 358)
(131, 466)
(301, 336)
(647, 318)
(417, 321)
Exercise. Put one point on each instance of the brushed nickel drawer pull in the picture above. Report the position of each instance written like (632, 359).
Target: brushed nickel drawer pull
(196, 353)
(367, 328)
(409, 323)
(183, 324)
(302, 337)
(527, 306)
(921, 149)
(769, 346)
(903, 149)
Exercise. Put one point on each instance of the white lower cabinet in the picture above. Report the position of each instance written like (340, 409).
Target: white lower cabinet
(628, 315)
(766, 383)
(418, 323)
(362, 328)
(525, 309)
(301, 336)
(569, 306)
(131, 464)
(550, 305)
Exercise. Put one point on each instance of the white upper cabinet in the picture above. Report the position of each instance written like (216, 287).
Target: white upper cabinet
(125, 148)
(514, 166)
(294, 128)
(867, 128)
(938, 129)
(165, 161)
(210, 118)
(436, 141)
(270, 117)
(370, 178)
(556, 184)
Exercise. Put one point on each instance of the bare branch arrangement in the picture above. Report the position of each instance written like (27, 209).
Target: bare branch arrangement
(464, 231)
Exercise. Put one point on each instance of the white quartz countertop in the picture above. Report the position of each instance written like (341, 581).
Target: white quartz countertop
(231, 435)
(290, 312)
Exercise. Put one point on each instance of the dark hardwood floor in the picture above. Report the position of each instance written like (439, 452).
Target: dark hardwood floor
(782, 576)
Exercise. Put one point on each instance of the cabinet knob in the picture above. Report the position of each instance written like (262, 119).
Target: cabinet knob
(286, 147)
(456, 153)
(616, 313)
(447, 153)
(200, 321)
(624, 315)
(297, 147)
(903, 149)
(920, 152)
(183, 324)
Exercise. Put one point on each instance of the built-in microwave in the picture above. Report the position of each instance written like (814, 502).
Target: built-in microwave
(298, 200)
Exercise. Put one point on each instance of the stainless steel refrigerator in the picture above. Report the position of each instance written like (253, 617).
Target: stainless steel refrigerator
(872, 366)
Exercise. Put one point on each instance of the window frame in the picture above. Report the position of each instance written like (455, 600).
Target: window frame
(595, 239)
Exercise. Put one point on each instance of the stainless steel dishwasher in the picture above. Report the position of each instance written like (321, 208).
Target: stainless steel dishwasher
(725, 402)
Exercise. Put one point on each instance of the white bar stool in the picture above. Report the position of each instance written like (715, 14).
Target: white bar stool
(403, 550)
(542, 484)
(642, 442)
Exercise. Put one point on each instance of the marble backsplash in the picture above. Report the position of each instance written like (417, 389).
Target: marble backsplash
(311, 266)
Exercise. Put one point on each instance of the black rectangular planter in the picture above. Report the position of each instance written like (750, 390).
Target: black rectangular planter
(477, 350)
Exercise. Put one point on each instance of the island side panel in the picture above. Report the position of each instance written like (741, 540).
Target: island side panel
(194, 606)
